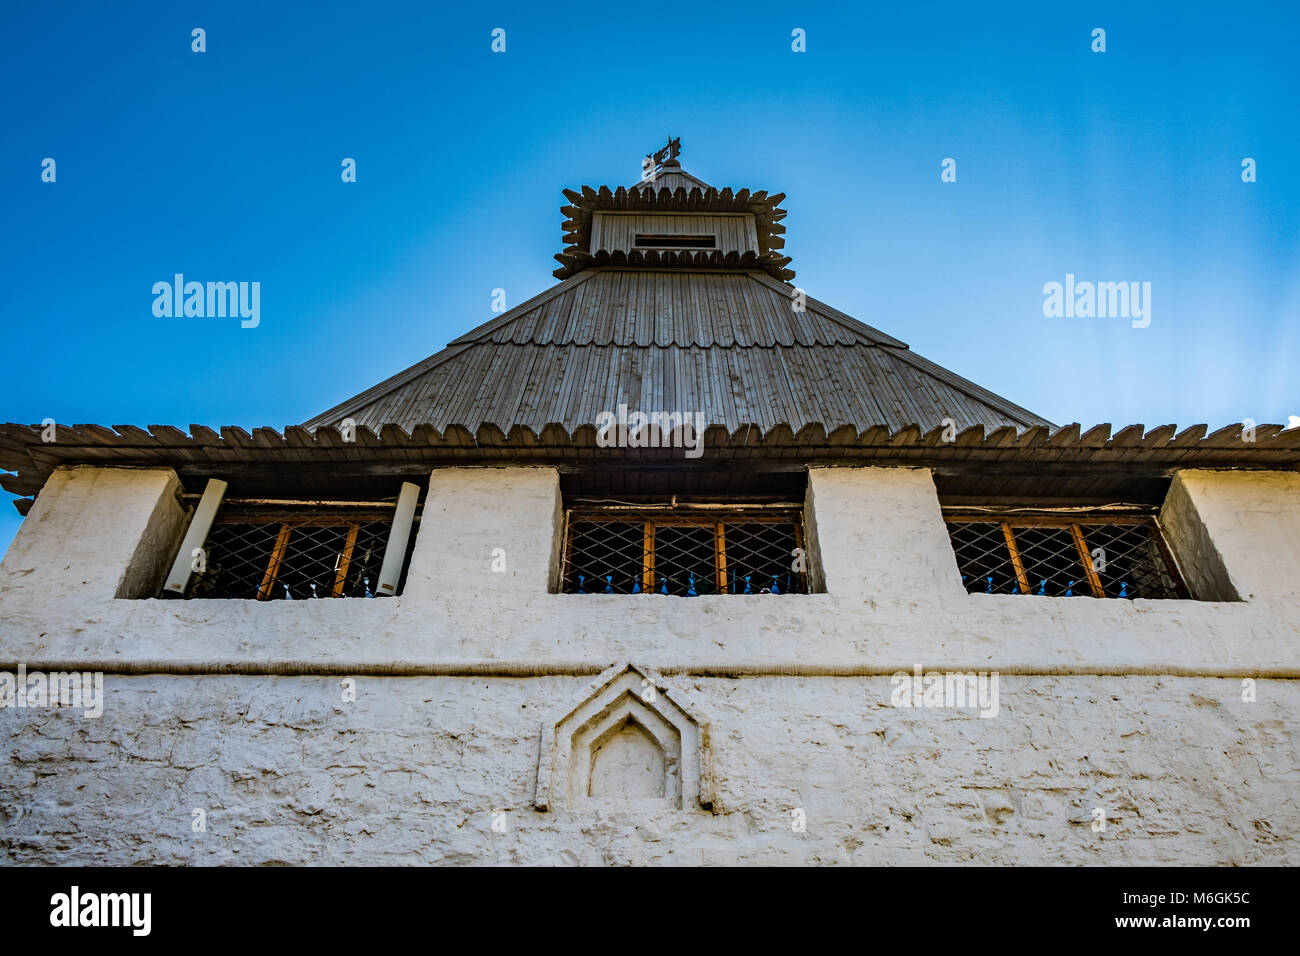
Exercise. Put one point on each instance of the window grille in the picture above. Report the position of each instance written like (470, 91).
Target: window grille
(1098, 555)
(294, 553)
(610, 551)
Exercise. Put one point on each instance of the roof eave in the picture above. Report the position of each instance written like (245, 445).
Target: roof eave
(1158, 450)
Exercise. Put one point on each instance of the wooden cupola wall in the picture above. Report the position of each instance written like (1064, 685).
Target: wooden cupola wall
(673, 220)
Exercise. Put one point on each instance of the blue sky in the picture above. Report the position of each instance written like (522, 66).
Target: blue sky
(225, 165)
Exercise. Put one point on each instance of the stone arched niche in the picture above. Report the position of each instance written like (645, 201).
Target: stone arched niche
(627, 763)
(629, 741)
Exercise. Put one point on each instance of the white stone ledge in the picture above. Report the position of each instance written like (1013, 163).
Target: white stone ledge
(1048, 635)
(558, 668)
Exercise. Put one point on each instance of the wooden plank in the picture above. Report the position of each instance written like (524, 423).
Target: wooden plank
(1096, 436)
(1229, 436)
(21, 484)
(1266, 433)
(1094, 581)
(273, 566)
(799, 546)
(1286, 439)
(907, 435)
(1191, 436)
(96, 435)
(720, 550)
(1064, 520)
(1002, 437)
(1159, 437)
(1016, 562)
(267, 438)
(170, 436)
(1128, 436)
(1064, 437)
(341, 573)
(295, 517)
(1033, 437)
(648, 558)
(136, 436)
(235, 436)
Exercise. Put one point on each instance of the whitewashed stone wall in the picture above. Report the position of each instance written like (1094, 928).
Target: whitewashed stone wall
(415, 770)
(1133, 707)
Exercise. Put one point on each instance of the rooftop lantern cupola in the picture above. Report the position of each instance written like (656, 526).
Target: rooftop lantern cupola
(673, 220)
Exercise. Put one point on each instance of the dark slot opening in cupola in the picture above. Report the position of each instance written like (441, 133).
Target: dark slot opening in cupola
(677, 242)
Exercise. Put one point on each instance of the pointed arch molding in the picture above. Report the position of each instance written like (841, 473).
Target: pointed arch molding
(633, 707)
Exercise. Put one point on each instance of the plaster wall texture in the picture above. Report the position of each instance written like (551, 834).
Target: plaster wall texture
(1252, 522)
(1134, 706)
(417, 769)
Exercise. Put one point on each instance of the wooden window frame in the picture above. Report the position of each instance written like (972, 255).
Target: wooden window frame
(290, 518)
(651, 522)
(1075, 524)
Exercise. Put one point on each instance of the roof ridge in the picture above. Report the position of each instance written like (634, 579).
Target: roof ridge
(511, 315)
(1006, 406)
(833, 314)
(664, 173)
(361, 399)
(453, 348)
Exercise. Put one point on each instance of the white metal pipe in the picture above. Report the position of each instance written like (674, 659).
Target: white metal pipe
(395, 551)
(183, 567)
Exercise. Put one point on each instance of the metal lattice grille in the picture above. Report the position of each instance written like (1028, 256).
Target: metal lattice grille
(643, 552)
(1100, 556)
(290, 554)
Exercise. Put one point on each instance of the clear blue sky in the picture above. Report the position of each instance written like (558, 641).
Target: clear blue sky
(225, 166)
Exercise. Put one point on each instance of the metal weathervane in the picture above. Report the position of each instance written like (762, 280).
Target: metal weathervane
(650, 165)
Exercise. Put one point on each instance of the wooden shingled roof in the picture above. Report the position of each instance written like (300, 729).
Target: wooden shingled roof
(727, 344)
(685, 330)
